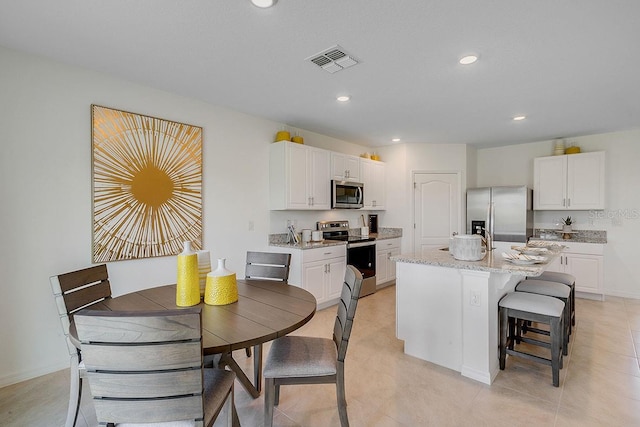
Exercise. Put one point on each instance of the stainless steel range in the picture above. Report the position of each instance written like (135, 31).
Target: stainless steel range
(361, 251)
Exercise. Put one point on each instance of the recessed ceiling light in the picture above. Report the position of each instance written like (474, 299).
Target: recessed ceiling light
(469, 59)
(395, 140)
(263, 3)
(518, 118)
(343, 98)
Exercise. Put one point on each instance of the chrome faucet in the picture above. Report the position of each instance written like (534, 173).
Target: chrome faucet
(487, 239)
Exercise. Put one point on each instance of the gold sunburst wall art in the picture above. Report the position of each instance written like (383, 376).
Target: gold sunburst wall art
(147, 185)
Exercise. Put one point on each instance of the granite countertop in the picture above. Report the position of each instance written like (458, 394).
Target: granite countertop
(578, 236)
(492, 262)
(280, 240)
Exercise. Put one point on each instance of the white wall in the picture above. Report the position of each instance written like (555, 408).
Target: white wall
(46, 194)
(514, 165)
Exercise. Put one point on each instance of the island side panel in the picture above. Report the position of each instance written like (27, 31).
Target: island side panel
(481, 293)
(429, 313)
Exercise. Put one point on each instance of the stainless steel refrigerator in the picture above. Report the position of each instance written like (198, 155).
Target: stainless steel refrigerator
(505, 211)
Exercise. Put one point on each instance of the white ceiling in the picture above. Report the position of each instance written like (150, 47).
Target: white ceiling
(571, 66)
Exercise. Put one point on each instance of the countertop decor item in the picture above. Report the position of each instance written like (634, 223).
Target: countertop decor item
(222, 287)
(283, 135)
(559, 147)
(188, 285)
(572, 150)
(204, 268)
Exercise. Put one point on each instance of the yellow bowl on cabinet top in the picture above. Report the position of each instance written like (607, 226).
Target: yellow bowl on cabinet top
(283, 135)
(298, 139)
(572, 150)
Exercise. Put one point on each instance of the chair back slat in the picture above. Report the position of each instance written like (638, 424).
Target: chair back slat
(268, 265)
(141, 411)
(81, 288)
(77, 289)
(143, 367)
(346, 310)
(141, 357)
(146, 385)
(87, 296)
(76, 279)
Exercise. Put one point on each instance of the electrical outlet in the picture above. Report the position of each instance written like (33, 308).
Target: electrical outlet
(475, 299)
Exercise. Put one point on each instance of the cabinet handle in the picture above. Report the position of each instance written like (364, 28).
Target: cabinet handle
(564, 202)
(568, 202)
(328, 268)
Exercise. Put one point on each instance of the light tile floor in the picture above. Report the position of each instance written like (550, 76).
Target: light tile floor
(599, 384)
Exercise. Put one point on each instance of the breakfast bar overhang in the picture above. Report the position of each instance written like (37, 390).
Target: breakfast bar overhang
(447, 310)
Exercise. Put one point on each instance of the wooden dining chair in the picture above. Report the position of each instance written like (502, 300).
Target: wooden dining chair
(314, 360)
(267, 266)
(146, 367)
(72, 291)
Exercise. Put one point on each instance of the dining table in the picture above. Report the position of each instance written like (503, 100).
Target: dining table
(265, 310)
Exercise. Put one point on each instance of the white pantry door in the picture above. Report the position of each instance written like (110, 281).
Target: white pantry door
(436, 209)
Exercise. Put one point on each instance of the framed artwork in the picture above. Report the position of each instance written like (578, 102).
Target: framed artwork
(147, 185)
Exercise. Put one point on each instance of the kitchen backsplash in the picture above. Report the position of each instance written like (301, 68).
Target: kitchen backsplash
(383, 233)
(585, 236)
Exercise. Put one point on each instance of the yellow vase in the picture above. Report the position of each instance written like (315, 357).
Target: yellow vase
(222, 287)
(187, 286)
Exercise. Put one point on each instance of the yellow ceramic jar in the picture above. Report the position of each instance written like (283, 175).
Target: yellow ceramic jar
(222, 287)
(283, 135)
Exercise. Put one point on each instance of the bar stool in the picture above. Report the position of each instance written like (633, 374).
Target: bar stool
(535, 308)
(550, 289)
(566, 279)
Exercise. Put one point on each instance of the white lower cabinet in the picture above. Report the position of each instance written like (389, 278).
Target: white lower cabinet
(585, 261)
(385, 268)
(319, 271)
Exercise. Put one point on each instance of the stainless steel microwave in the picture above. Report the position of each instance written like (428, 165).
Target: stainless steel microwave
(347, 194)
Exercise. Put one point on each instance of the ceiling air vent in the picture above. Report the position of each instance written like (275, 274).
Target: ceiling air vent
(333, 59)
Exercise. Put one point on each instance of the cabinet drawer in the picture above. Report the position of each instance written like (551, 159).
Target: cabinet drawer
(310, 255)
(388, 244)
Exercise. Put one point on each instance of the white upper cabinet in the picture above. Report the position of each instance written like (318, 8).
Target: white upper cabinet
(299, 177)
(345, 167)
(569, 182)
(373, 176)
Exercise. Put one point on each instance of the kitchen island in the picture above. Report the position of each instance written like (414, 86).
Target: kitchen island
(447, 310)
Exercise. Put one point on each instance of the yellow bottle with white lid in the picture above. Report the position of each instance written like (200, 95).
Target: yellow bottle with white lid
(188, 283)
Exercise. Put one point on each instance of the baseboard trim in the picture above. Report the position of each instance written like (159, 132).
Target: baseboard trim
(18, 377)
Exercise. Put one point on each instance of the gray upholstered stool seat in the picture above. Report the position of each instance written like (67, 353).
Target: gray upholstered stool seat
(566, 279)
(555, 276)
(536, 308)
(551, 289)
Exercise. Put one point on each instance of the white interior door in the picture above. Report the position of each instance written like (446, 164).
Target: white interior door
(436, 209)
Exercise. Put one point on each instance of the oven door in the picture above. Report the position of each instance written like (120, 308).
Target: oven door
(347, 194)
(363, 257)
